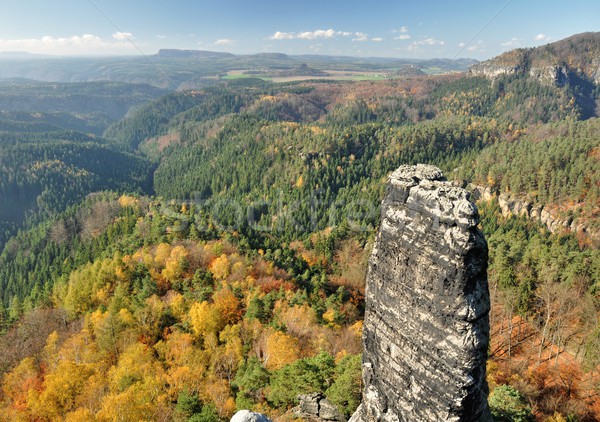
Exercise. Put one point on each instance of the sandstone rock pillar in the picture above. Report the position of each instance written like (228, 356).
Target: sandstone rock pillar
(426, 328)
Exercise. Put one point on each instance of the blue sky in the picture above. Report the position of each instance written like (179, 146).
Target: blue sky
(384, 28)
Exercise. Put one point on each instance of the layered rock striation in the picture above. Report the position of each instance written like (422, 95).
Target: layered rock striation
(426, 326)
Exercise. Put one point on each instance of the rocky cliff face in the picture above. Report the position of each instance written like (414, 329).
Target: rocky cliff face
(552, 64)
(426, 326)
(515, 206)
(492, 70)
(315, 407)
(546, 75)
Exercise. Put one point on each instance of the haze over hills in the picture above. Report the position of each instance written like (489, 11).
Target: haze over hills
(181, 254)
(181, 69)
(21, 55)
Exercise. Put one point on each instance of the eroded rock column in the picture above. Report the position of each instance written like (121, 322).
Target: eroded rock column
(426, 326)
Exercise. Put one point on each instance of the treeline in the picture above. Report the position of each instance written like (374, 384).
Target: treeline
(50, 153)
(33, 260)
(518, 100)
(220, 320)
(241, 285)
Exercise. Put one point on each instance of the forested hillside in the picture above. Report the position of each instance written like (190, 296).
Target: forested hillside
(87, 107)
(42, 178)
(50, 152)
(241, 283)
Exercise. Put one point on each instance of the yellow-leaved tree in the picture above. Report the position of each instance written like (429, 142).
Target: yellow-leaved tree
(220, 267)
(62, 391)
(186, 364)
(205, 318)
(281, 350)
(137, 387)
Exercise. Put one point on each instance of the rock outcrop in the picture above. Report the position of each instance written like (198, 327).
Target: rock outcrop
(248, 416)
(493, 71)
(576, 57)
(511, 205)
(546, 75)
(315, 407)
(426, 326)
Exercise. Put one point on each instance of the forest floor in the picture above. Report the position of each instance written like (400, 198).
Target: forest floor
(554, 381)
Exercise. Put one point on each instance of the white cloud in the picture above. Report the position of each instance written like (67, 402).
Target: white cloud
(540, 37)
(461, 44)
(309, 35)
(86, 44)
(416, 45)
(161, 37)
(429, 41)
(319, 33)
(121, 36)
(512, 43)
(478, 46)
(402, 30)
(360, 37)
(225, 41)
(403, 33)
(377, 39)
(282, 36)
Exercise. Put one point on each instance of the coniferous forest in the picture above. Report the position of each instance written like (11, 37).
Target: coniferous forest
(183, 255)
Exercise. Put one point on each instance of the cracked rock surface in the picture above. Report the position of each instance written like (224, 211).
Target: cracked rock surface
(426, 328)
(316, 407)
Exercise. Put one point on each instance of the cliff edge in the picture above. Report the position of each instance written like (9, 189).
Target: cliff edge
(571, 60)
(426, 326)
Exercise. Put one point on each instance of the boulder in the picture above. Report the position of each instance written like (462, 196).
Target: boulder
(248, 416)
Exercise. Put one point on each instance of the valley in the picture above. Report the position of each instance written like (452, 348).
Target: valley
(183, 244)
